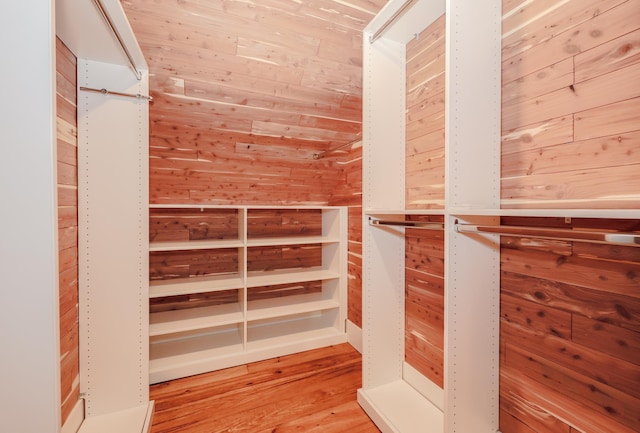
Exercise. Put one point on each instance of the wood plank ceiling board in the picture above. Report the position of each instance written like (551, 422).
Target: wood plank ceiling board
(255, 84)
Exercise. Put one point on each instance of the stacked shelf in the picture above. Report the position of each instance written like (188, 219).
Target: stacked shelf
(231, 285)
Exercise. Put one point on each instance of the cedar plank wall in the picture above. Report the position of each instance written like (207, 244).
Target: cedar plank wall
(570, 328)
(571, 104)
(246, 92)
(424, 183)
(570, 332)
(67, 225)
(425, 118)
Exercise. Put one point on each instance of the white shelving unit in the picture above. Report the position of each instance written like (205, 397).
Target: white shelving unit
(395, 396)
(200, 339)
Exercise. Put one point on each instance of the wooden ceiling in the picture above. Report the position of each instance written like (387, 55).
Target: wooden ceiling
(272, 76)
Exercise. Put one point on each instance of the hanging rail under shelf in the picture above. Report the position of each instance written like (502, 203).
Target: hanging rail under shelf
(630, 239)
(410, 224)
(111, 92)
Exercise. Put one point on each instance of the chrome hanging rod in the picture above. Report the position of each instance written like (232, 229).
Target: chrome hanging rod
(410, 224)
(116, 33)
(110, 92)
(319, 155)
(630, 239)
(395, 17)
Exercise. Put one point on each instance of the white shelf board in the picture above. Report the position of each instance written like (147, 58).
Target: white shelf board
(189, 353)
(289, 276)
(201, 244)
(193, 206)
(305, 332)
(288, 306)
(292, 240)
(133, 420)
(573, 213)
(225, 206)
(396, 407)
(186, 286)
(192, 319)
(375, 212)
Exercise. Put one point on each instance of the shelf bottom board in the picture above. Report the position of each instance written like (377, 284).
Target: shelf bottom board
(134, 420)
(398, 408)
(201, 361)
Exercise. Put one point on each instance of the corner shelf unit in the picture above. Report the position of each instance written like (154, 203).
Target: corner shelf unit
(248, 301)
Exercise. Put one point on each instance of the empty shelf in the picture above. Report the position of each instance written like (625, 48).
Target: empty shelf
(185, 286)
(288, 276)
(287, 306)
(203, 244)
(192, 319)
(291, 240)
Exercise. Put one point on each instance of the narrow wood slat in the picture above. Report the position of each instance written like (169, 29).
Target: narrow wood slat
(615, 54)
(546, 133)
(616, 118)
(601, 367)
(594, 405)
(615, 341)
(603, 188)
(535, 316)
(573, 28)
(602, 152)
(618, 310)
(599, 91)
(620, 278)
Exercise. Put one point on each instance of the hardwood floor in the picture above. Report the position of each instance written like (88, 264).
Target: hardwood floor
(309, 392)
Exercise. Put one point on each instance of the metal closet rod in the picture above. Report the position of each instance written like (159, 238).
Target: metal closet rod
(395, 17)
(630, 239)
(110, 92)
(410, 224)
(115, 32)
(618, 238)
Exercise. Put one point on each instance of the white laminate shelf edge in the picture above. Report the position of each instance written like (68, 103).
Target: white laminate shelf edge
(287, 306)
(193, 319)
(289, 276)
(298, 240)
(396, 407)
(186, 286)
(134, 420)
(204, 244)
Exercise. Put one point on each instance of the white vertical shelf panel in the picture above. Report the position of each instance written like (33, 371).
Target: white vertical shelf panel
(383, 305)
(384, 132)
(472, 180)
(472, 321)
(29, 324)
(472, 118)
(113, 239)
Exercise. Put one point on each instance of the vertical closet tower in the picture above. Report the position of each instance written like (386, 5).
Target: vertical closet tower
(113, 141)
(396, 396)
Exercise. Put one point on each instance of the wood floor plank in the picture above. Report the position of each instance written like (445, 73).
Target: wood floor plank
(313, 391)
